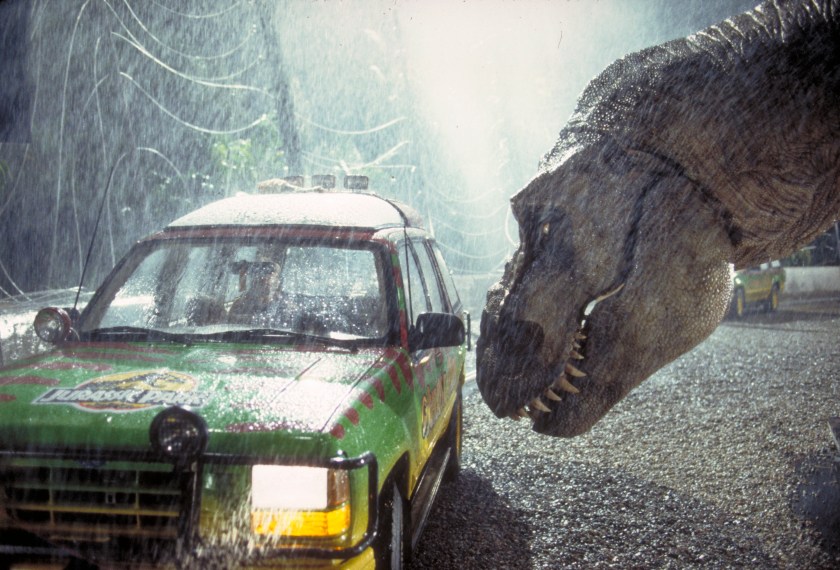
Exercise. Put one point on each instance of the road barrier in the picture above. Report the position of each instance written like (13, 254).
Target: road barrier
(811, 280)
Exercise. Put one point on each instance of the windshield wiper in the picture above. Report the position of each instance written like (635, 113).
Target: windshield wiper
(268, 334)
(136, 334)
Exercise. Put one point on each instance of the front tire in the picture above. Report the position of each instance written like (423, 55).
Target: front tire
(454, 437)
(391, 548)
(739, 304)
(773, 300)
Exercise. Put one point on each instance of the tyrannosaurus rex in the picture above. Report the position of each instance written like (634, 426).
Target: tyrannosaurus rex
(680, 160)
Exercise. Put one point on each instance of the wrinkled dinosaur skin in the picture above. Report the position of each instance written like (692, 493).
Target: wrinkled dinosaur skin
(680, 160)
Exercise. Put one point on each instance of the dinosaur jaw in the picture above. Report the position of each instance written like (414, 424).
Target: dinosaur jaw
(564, 367)
(564, 398)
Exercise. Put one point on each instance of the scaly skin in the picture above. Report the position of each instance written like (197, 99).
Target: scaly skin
(717, 149)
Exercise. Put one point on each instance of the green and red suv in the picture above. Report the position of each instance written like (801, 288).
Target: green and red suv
(273, 379)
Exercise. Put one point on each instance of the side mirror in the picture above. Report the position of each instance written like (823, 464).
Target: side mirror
(53, 325)
(436, 330)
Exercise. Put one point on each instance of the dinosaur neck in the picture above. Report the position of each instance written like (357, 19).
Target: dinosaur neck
(747, 108)
(759, 128)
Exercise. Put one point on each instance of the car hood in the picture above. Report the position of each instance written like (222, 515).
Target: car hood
(96, 395)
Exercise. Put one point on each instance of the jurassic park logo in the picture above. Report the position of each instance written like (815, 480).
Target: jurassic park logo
(129, 392)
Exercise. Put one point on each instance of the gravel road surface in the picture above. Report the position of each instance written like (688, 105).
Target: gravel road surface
(723, 459)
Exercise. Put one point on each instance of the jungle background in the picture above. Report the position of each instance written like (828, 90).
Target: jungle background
(117, 116)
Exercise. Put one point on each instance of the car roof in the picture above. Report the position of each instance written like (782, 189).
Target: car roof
(303, 207)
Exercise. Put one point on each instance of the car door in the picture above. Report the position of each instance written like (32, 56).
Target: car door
(442, 388)
(422, 296)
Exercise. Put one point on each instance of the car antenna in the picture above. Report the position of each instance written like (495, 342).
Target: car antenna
(96, 228)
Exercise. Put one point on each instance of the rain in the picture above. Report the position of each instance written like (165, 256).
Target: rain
(119, 116)
(149, 109)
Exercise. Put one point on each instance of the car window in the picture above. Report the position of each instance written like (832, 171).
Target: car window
(341, 288)
(134, 303)
(329, 271)
(184, 285)
(446, 277)
(167, 284)
(416, 300)
(436, 298)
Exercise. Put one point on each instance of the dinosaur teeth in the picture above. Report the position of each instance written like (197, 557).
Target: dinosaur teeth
(537, 404)
(552, 395)
(572, 371)
(562, 383)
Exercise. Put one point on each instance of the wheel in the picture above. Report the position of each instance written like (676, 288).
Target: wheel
(773, 300)
(391, 548)
(454, 436)
(739, 304)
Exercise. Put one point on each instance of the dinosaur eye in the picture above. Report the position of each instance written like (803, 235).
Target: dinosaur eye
(542, 236)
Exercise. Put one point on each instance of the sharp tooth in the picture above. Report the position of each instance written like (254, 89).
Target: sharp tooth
(576, 355)
(562, 383)
(572, 371)
(580, 336)
(522, 412)
(515, 416)
(552, 395)
(537, 404)
(609, 294)
(576, 344)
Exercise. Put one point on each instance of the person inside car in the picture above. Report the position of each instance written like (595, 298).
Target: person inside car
(257, 304)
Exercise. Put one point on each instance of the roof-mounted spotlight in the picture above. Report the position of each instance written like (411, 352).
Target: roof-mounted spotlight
(53, 325)
(356, 182)
(326, 181)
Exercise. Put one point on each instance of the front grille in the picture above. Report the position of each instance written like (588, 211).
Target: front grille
(94, 504)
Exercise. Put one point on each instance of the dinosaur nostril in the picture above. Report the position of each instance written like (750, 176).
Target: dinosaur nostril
(522, 336)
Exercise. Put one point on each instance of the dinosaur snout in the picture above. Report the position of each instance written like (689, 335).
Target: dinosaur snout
(521, 338)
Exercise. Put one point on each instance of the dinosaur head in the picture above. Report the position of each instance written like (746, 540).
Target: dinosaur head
(679, 159)
(622, 266)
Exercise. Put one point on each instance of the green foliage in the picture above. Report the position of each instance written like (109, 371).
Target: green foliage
(822, 251)
(239, 163)
(801, 258)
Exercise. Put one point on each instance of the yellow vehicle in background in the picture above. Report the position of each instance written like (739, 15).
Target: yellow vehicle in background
(762, 285)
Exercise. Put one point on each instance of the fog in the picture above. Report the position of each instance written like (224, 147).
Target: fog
(150, 109)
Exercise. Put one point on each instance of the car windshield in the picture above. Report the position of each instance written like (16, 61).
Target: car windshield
(243, 289)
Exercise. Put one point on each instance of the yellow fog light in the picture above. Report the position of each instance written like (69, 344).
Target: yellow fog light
(299, 501)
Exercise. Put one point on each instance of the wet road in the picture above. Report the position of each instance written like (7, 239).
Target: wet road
(723, 459)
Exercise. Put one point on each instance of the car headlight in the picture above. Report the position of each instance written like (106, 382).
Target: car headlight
(178, 434)
(299, 501)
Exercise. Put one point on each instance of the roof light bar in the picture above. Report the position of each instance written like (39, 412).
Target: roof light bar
(356, 182)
